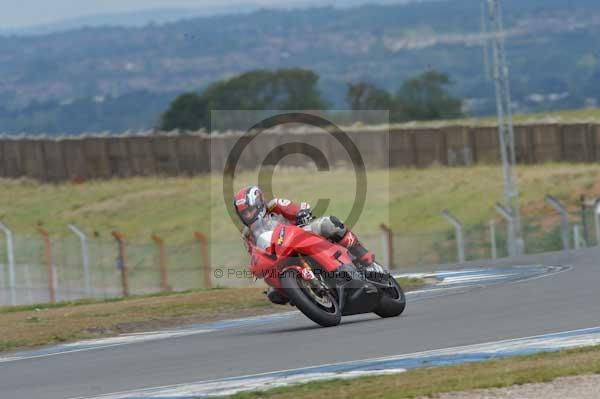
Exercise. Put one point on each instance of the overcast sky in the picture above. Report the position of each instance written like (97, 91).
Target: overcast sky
(25, 13)
(20, 13)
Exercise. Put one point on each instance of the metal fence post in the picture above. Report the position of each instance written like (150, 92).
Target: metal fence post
(507, 215)
(597, 220)
(584, 221)
(201, 238)
(577, 237)
(122, 261)
(10, 253)
(388, 245)
(493, 239)
(85, 259)
(48, 260)
(162, 262)
(28, 283)
(460, 240)
(565, 231)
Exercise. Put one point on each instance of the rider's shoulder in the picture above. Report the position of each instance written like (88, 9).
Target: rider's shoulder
(271, 204)
(278, 202)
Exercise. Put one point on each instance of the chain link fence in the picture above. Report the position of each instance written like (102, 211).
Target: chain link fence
(54, 270)
(60, 269)
(51, 269)
(483, 242)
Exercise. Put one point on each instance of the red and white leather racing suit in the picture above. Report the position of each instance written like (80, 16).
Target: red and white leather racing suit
(329, 227)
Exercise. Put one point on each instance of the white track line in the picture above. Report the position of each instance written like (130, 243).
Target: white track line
(127, 339)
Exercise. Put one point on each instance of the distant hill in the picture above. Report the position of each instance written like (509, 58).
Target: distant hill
(135, 111)
(552, 46)
(141, 18)
(127, 19)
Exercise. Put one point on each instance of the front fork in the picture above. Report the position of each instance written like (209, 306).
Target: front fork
(306, 271)
(307, 274)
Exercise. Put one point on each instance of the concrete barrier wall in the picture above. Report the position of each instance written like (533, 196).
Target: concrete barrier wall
(103, 157)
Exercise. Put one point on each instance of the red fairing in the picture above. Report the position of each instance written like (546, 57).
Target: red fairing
(262, 262)
(286, 208)
(286, 242)
(326, 253)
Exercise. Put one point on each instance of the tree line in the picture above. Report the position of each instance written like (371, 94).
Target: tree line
(422, 97)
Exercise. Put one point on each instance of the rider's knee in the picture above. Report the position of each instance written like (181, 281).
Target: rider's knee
(331, 228)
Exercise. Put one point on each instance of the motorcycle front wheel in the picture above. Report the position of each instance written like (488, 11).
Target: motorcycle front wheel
(311, 298)
(393, 301)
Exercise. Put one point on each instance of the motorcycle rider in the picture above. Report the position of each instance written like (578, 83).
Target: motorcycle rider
(251, 208)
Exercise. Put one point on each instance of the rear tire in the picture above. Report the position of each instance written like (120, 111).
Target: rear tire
(393, 301)
(298, 292)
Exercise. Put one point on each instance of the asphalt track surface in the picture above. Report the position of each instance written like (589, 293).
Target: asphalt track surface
(563, 301)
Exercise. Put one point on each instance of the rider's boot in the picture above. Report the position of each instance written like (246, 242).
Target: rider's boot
(364, 256)
(275, 297)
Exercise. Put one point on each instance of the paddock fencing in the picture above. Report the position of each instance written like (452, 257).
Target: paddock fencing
(44, 268)
(93, 156)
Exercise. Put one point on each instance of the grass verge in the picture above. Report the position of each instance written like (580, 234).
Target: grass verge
(430, 382)
(176, 207)
(29, 326)
(583, 115)
(411, 284)
(408, 200)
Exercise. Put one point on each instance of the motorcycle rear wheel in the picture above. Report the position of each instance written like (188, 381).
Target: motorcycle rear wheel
(320, 307)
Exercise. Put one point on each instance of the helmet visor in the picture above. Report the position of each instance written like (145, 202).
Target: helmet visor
(249, 214)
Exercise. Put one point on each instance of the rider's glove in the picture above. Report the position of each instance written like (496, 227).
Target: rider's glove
(304, 217)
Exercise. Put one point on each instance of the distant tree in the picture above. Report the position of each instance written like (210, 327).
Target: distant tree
(187, 112)
(425, 97)
(254, 90)
(297, 89)
(368, 96)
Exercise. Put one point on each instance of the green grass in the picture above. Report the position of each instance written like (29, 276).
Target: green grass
(564, 116)
(406, 283)
(575, 115)
(29, 326)
(411, 283)
(432, 381)
(81, 302)
(25, 327)
(410, 200)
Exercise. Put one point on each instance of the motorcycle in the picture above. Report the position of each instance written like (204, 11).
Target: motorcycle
(320, 278)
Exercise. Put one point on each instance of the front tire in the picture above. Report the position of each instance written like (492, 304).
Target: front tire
(322, 308)
(393, 301)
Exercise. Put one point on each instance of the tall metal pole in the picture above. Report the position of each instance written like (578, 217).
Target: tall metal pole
(505, 125)
(485, 33)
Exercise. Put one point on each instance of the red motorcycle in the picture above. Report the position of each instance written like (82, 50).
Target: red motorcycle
(319, 277)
